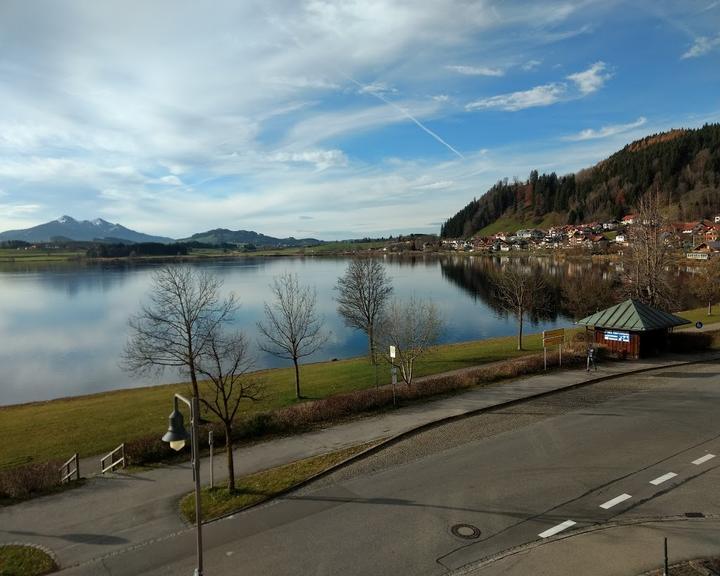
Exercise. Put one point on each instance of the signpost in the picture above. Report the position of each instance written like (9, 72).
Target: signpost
(550, 338)
(393, 371)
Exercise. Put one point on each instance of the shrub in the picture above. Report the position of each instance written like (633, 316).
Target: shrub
(687, 342)
(145, 450)
(30, 479)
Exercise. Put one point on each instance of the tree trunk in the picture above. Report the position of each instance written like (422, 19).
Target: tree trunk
(229, 455)
(520, 330)
(297, 379)
(371, 345)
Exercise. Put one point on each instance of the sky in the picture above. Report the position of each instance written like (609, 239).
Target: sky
(328, 119)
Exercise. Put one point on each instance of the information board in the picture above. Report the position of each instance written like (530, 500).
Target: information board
(614, 336)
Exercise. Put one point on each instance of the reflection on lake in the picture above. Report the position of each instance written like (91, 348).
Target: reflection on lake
(64, 327)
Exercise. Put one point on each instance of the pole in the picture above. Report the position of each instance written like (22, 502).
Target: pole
(195, 414)
(666, 572)
(544, 357)
(212, 468)
(560, 354)
(393, 371)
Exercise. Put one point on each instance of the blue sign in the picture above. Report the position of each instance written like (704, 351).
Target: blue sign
(617, 336)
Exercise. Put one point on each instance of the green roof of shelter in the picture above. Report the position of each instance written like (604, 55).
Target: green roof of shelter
(633, 315)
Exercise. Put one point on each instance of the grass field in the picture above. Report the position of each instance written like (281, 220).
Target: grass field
(12, 255)
(262, 486)
(98, 423)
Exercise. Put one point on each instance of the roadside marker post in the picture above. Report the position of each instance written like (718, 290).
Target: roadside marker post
(550, 338)
(393, 372)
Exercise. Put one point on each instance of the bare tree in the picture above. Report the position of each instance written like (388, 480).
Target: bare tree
(520, 293)
(292, 328)
(706, 284)
(412, 327)
(175, 327)
(225, 362)
(363, 292)
(645, 261)
(587, 293)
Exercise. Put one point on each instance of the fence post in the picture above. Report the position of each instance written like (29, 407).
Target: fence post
(77, 467)
(123, 455)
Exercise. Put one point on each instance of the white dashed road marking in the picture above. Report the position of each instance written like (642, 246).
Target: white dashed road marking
(703, 459)
(664, 478)
(615, 501)
(555, 529)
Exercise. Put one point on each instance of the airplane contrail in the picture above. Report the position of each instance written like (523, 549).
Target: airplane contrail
(380, 97)
(404, 112)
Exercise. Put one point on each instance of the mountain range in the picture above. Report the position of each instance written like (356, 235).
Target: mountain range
(67, 228)
(225, 236)
(681, 166)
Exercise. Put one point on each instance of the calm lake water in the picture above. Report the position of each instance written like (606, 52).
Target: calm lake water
(63, 328)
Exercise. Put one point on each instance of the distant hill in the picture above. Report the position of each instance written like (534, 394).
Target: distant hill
(682, 165)
(66, 227)
(220, 236)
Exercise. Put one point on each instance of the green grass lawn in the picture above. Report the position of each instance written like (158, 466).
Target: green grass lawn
(261, 486)
(25, 256)
(24, 561)
(98, 423)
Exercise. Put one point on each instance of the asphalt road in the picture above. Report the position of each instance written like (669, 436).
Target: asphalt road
(526, 477)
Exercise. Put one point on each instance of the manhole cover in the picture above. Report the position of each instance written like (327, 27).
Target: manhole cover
(465, 531)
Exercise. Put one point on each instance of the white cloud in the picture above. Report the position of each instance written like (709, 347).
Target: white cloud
(171, 180)
(437, 185)
(592, 79)
(701, 46)
(606, 131)
(544, 95)
(377, 89)
(475, 70)
(322, 159)
(441, 98)
(531, 65)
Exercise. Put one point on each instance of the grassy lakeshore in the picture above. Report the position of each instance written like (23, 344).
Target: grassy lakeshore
(97, 423)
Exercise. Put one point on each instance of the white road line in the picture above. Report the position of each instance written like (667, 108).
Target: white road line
(664, 478)
(703, 459)
(555, 529)
(614, 501)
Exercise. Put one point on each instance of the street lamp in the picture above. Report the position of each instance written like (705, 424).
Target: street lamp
(177, 436)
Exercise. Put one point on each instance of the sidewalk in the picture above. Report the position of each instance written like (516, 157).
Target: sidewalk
(117, 511)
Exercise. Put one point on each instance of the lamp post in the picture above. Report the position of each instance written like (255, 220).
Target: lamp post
(177, 436)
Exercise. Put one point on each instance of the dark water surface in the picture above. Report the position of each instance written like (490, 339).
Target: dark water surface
(63, 328)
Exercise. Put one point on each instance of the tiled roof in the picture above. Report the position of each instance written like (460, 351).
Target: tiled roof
(632, 315)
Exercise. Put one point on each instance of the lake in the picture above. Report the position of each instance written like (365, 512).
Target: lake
(63, 327)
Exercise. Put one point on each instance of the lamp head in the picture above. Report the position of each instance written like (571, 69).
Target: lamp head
(176, 434)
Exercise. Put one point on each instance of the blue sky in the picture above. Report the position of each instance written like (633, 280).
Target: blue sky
(328, 119)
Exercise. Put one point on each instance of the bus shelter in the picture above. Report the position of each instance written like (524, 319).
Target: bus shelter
(631, 329)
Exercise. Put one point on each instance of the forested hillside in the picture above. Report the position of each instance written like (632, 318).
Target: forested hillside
(682, 165)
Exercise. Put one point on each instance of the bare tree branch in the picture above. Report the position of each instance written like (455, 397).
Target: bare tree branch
(292, 328)
(362, 295)
(412, 327)
(225, 361)
(174, 328)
